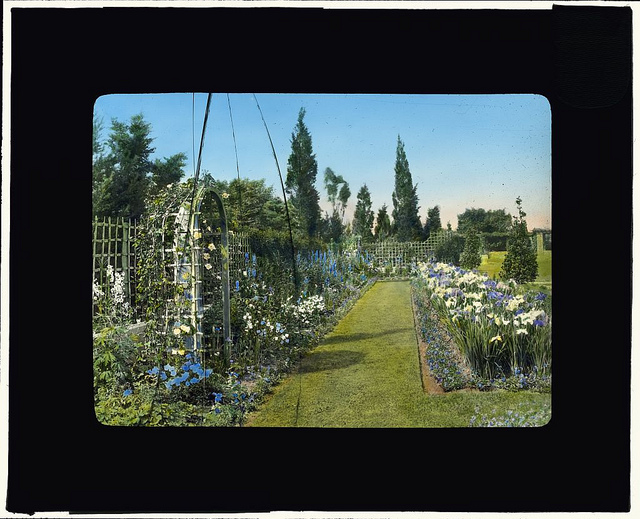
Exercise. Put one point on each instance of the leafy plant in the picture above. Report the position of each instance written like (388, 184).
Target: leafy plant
(520, 262)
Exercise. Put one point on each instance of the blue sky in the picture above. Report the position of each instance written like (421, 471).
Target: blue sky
(464, 151)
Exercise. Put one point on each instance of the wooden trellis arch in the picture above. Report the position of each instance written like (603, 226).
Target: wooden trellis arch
(189, 262)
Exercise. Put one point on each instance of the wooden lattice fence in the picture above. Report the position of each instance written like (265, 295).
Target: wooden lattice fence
(114, 244)
(394, 254)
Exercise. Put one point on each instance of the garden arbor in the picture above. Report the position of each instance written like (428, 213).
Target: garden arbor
(195, 255)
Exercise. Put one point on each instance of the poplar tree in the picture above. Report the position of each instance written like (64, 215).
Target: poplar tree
(302, 169)
(406, 221)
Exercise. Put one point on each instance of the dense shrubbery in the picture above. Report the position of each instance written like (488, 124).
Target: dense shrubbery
(155, 379)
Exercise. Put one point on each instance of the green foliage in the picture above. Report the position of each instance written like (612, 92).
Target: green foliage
(250, 205)
(433, 223)
(363, 215)
(382, 229)
(484, 221)
(520, 262)
(406, 221)
(471, 258)
(337, 197)
(450, 250)
(495, 241)
(167, 171)
(302, 169)
(124, 177)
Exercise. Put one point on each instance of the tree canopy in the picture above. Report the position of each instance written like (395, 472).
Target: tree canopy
(126, 175)
(484, 221)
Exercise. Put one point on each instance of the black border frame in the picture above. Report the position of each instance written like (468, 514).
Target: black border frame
(61, 459)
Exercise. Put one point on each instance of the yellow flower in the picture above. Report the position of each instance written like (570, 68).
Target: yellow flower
(181, 351)
(185, 275)
(206, 255)
(176, 330)
(197, 235)
(211, 246)
(185, 328)
(225, 195)
(496, 338)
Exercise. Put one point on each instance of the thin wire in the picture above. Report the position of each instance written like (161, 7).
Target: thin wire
(193, 132)
(233, 132)
(235, 147)
(284, 194)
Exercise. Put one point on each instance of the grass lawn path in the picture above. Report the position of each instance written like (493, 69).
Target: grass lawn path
(366, 373)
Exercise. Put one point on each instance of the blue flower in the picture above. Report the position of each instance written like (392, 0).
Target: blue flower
(127, 392)
(237, 286)
(541, 296)
(153, 371)
(163, 376)
(538, 322)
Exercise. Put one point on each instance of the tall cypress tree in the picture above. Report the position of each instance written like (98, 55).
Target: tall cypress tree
(406, 221)
(302, 169)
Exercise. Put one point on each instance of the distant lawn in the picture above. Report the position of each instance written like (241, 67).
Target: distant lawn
(492, 263)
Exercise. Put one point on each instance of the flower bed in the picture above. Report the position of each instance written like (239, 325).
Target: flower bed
(482, 333)
(156, 380)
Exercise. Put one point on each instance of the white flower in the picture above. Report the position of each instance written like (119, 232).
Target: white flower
(185, 328)
(207, 266)
(225, 195)
(211, 246)
(520, 331)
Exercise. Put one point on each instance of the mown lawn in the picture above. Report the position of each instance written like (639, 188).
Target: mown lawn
(492, 263)
(366, 373)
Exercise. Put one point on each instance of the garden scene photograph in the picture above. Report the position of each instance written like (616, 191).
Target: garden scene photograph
(322, 260)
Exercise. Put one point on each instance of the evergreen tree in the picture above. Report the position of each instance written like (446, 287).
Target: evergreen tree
(167, 171)
(520, 263)
(406, 221)
(382, 229)
(471, 258)
(433, 223)
(302, 169)
(124, 177)
(363, 215)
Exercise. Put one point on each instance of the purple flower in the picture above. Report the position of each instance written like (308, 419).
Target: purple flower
(538, 322)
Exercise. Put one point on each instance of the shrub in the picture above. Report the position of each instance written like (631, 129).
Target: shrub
(520, 263)
(470, 258)
(450, 250)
